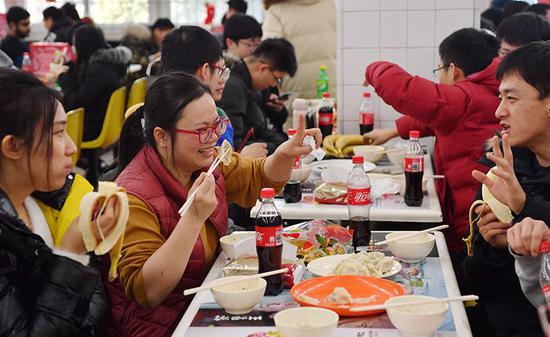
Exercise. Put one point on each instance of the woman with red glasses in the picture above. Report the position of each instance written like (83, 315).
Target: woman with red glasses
(170, 144)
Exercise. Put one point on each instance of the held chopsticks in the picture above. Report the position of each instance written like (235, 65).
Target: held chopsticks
(406, 304)
(233, 280)
(410, 235)
(213, 166)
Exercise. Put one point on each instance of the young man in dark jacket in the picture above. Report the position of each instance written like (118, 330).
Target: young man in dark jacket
(522, 183)
(19, 27)
(242, 100)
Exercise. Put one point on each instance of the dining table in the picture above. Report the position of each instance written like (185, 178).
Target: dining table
(434, 276)
(387, 208)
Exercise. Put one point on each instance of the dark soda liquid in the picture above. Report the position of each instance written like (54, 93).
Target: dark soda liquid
(364, 128)
(292, 192)
(310, 120)
(326, 128)
(413, 188)
(270, 258)
(361, 232)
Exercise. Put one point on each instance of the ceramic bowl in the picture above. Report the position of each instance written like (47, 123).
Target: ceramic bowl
(416, 320)
(306, 322)
(396, 156)
(372, 153)
(238, 244)
(241, 297)
(413, 249)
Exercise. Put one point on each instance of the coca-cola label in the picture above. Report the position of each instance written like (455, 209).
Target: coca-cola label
(269, 236)
(414, 164)
(546, 289)
(359, 196)
(326, 119)
(367, 118)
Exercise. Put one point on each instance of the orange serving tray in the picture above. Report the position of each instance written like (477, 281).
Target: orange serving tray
(319, 289)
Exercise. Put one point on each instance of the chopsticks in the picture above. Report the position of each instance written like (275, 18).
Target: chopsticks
(410, 235)
(249, 134)
(233, 280)
(213, 166)
(406, 304)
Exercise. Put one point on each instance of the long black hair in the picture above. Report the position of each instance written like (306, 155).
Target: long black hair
(27, 110)
(87, 40)
(164, 104)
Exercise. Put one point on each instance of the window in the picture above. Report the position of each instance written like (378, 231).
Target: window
(118, 12)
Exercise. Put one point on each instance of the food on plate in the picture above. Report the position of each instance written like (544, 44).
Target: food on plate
(91, 207)
(340, 295)
(308, 299)
(226, 152)
(318, 238)
(331, 193)
(373, 264)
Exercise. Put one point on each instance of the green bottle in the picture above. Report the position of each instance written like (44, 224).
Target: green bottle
(322, 82)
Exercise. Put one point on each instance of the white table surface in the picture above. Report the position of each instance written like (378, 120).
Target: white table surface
(461, 323)
(391, 208)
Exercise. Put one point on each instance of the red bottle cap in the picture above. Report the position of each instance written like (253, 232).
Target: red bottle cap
(292, 132)
(414, 134)
(268, 192)
(357, 159)
(326, 94)
(366, 94)
(544, 247)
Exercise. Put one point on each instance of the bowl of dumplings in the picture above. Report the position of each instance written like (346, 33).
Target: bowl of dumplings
(413, 249)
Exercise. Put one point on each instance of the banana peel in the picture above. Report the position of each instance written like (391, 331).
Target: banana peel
(341, 146)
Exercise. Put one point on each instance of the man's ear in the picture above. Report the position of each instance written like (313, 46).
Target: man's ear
(456, 72)
(230, 43)
(12, 148)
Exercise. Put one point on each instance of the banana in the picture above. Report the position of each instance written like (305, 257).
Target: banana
(348, 150)
(328, 144)
(347, 140)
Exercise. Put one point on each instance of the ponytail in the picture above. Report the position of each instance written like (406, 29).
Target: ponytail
(132, 139)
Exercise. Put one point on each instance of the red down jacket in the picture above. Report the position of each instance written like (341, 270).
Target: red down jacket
(462, 118)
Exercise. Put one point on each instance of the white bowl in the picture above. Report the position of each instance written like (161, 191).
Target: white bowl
(396, 156)
(238, 244)
(306, 322)
(300, 174)
(372, 153)
(413, 249)
(241, 297)
(416, 320)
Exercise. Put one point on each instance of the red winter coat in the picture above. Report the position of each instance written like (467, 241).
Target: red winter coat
(462, 118)
(147, 178)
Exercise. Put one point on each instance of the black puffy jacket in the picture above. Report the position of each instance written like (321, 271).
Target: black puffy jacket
(43, 294)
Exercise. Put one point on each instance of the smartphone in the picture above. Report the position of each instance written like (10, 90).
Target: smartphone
(285, 95)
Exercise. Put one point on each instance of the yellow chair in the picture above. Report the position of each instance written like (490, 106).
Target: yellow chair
(137, 92)
(110, 132)
(75, 129)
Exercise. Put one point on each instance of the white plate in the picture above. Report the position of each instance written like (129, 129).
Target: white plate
(324, 266)
(345, 164)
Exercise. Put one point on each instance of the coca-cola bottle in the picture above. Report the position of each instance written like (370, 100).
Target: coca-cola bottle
(545, 270)
(326, 115)
(26, 65)
(293, 189)
(359, 205)
(269, 241)
(414, 171)
(366, 114)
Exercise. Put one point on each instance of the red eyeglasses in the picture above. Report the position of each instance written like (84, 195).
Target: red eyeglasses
(205, 134)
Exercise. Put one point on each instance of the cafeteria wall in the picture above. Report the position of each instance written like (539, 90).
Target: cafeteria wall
(406, 32)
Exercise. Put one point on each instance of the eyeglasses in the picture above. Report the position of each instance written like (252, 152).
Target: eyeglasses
(223, 73)
(205, 135)
(439, 69)
(279, 80)
(249, 45)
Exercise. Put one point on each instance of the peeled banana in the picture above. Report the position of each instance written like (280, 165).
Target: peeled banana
(113, 240)
(341, 145)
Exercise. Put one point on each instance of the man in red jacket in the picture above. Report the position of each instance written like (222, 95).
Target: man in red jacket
(459, 112)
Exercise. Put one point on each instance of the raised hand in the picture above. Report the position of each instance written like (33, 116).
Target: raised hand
(525, 236)
(505, 188)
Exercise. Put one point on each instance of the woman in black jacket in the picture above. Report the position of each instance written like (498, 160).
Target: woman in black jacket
(98, 72)
(44, 290)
